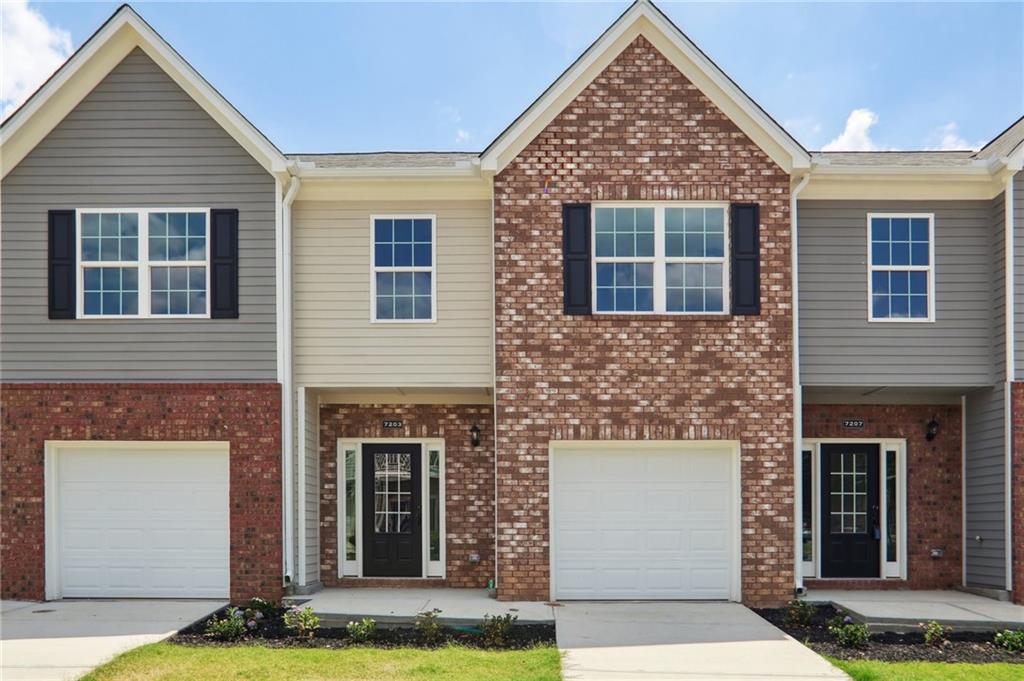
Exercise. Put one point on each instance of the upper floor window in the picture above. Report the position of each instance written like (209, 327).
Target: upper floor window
(143, 262)
(901, 269)
(660, 258)
(403, 285)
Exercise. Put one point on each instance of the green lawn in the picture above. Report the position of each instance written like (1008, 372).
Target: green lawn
(168, 662)
(929, 671)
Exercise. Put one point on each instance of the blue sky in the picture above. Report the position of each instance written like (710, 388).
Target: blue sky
(363, 77)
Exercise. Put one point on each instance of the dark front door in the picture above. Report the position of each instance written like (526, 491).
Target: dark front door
(392, 536)
(850, 510)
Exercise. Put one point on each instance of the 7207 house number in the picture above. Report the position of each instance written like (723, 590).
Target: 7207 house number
(392, 423)
(853, 423)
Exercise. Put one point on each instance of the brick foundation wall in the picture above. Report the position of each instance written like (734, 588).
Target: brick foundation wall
(246, 415)
(1017, 502)
(469, 479)
(639, 131)
(934, 492)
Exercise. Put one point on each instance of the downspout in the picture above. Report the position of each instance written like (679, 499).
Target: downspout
(287, 412)
(494, 381)
(798, 406)
(1011, 362)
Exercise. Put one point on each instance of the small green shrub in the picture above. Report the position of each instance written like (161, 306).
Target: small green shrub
(267, 609)
(230, 627)
(799, 613)
(935, 633)
(847, 632)
(302, 621)
(361, 631)
(498, 629)
(1011, 640)
(429, 628)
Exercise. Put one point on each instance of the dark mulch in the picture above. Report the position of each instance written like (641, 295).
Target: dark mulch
(962, 646)
(271, 633)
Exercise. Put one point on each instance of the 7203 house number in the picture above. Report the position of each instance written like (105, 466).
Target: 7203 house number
(392, 423)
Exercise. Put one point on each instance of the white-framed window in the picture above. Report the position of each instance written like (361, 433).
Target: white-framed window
(901, 267)
(403, 284)
(143, 263)
(660, 258)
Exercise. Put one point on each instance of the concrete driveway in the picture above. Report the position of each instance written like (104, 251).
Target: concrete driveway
(692, 641)
(65, 639)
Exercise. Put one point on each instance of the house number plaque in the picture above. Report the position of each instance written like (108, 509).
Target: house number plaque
(853, 423)
(393, 423)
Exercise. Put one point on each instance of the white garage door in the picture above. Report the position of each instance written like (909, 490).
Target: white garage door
(134, 520)
(644, 521)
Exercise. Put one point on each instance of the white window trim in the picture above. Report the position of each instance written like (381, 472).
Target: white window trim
(143, 264)
(354, 568)
(660, 260)
(432, 269)
(887, 570)
(928, 269)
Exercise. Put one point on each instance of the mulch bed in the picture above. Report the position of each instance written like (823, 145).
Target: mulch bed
(271, 633)
(963, 646)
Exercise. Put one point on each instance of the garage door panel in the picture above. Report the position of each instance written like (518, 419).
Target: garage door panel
(147, 521)
(643, 522)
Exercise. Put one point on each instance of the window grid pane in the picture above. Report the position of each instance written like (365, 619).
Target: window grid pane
(625, 287)
(848, 494)
(178, 290)
(392, 479)
(111, 291)
(177, 237)
(900, 252)
(110, 237)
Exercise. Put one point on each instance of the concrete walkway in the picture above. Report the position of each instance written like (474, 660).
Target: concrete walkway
(899, 610)
(65, 639)
(691, 641)
(338, 606)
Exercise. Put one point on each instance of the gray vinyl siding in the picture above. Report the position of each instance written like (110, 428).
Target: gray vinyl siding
(1018, 276)
(984, 482)
(997, 214)
(838, 346)
(312, 486)
(137, 140)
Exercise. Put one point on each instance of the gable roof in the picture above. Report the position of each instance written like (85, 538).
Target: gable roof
(643, 18)
(1009, 145)
(124, 31)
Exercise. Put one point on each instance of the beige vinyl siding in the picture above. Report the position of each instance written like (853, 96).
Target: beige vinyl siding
(838, 346)
(137, 140)
(336, 344)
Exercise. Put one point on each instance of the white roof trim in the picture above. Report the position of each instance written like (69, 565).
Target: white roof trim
(123, 32)
(642, 18)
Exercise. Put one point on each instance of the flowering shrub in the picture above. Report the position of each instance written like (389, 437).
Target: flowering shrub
(361, 631)
(497, 629)
(848, 633)
(429, 628)
(265, 608)
(935, 633)
(230, 627)
(799, 613)
(1011, 640)
(302, 621)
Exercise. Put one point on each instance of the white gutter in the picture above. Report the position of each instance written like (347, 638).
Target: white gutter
(798, 402)
(287, 425)
(1011, 363)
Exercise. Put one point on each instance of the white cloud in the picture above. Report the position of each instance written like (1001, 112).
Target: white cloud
(856, 136)
(31, 49)
(462, 135)
(949, 139)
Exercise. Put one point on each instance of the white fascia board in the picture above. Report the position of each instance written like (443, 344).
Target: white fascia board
(384, 173)
(124, 31)
(644, 19)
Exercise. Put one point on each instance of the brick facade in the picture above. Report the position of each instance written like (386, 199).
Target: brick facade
(247, 415)
(639, 131)
(1017, 484)
(934, 493)
(469, 481)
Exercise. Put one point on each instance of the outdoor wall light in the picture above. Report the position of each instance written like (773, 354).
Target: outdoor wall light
(474, 435)
(932, 430)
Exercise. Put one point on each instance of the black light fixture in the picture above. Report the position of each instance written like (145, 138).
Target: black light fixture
(474, 435)
(932, 430)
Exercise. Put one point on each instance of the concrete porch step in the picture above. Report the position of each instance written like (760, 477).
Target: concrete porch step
(904, 611)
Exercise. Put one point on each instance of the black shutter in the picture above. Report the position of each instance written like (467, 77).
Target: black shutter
(576, 257)
(61, 264)
(746, 259)
(224, 263)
